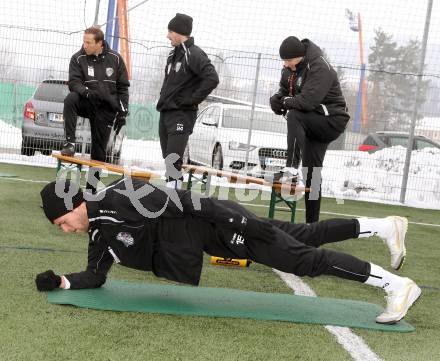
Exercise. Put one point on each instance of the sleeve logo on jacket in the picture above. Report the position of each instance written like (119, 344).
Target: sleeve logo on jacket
(126, 238)
(179, 127)
(109, 72)
(177, 66)
(237, 239)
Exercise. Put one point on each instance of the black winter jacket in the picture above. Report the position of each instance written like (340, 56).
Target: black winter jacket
(315, 86)
(189, 78)
(106, 73)
(125, 229)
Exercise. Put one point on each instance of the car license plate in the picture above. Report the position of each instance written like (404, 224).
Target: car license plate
(56, 117)
(274, 162)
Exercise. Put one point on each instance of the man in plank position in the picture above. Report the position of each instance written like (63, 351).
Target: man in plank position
(151, 228)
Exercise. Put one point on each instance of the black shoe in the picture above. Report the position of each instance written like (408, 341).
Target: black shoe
(68, 149)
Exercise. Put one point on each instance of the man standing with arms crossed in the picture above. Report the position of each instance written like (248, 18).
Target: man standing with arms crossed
(189, 78)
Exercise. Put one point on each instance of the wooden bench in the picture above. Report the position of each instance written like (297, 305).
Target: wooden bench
(280, 192)
(68, 163)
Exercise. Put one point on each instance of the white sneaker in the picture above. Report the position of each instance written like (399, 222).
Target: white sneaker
(286, 175)
(395, 240)
(399, 302)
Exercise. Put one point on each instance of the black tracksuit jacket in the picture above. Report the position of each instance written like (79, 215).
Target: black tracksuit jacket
(125, 231)
(189, 78)
(106, 73)
(315, 87)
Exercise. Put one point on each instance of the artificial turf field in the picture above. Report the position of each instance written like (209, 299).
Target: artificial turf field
(32, 329)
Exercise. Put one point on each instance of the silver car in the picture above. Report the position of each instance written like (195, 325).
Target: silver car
(220, 139)
(43, 125)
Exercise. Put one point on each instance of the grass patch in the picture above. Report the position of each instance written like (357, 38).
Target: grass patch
(33, 329)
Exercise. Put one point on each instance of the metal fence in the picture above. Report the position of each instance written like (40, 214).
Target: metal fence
(386, 55)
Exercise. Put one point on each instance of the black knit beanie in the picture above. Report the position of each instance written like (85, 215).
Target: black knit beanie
(292, 47)
(60, 197)
(181, 24)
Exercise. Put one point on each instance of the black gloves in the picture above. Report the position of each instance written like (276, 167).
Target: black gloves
(93, 95)
(120, 121)
(276, 104)
(288, 102)
(47, 281)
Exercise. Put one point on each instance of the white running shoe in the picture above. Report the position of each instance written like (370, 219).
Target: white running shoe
(395, 240)
(399, 302)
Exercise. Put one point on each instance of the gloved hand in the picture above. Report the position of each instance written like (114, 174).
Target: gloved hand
(276, 104)
(47, 281)
(93, 95)
(288, 102)
(120, 121)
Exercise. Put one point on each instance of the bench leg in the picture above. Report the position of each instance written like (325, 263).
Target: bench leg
(273, 201)
(61, 169)
(78, 174)
(189, 184)
(292, 211)
(207, 184)
(275, 198)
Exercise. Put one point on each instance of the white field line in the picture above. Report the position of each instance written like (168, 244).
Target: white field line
(352, 343)
(22, 180)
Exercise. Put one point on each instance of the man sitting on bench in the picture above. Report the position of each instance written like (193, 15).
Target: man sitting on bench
(152, 228)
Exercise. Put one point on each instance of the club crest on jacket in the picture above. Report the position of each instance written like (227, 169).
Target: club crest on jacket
(109, 72)
(125, 238)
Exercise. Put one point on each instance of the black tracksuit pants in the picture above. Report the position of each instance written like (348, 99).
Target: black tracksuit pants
(175, 127)
(292, 248)
(308, 136)
(101, 122)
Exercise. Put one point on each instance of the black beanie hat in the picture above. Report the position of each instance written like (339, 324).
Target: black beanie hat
(292, 47)
(60, 197)
(181, 24)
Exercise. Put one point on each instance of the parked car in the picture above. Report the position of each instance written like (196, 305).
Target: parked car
(43, 125)
(379, 140)
(220, 139)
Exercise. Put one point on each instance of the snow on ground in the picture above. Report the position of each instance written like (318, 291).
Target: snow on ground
(354, 175)
(378, 176)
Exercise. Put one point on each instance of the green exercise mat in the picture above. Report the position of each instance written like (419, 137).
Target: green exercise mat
(224, 302)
